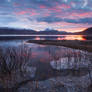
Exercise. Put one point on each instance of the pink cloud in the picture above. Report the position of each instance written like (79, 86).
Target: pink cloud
(42, 6)
(59, 8)
(76, 15)
(30, 12)
(86, 14)
(63, 6)
(21, 12)
(47, 14)
(33, 13)
(54, 9)
(16, 4)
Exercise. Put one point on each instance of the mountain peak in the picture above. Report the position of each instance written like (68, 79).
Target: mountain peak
(49, 29)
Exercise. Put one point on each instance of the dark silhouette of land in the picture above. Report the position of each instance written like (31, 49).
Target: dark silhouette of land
(87, 31)
(7, 31)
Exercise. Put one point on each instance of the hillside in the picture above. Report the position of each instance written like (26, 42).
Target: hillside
(88, 31)
(6, 31)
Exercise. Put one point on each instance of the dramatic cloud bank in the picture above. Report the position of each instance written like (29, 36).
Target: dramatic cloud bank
(66, 15)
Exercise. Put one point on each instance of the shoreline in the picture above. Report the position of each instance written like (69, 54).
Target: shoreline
(75, 44)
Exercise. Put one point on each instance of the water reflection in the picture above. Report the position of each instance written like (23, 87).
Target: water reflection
(72, 37)
(37, 38)
(47, 37)
(28, 61)
(63, 37)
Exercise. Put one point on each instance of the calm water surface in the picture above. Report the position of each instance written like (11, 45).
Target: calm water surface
(46, 37)
(48, 61)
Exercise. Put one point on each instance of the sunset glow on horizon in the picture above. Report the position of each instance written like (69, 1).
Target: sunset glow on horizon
(72, 37)
(61, 15)
(73, 30)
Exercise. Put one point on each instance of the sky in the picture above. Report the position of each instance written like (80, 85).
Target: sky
(62, 15)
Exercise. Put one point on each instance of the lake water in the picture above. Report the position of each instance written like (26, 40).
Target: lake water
(46, 62)
(46, 37)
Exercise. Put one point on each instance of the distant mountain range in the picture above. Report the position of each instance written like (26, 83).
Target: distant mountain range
(7, 31)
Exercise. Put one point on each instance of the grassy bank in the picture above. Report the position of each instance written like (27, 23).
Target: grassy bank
(76, 44)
